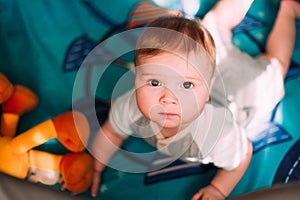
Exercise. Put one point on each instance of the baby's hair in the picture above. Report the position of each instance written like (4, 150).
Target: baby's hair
(176, 34)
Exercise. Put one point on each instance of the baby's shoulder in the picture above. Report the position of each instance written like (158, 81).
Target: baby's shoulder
(219, 119)
(126, 105)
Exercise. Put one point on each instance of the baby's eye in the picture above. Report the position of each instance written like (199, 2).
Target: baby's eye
(154, 83)
(188, 85)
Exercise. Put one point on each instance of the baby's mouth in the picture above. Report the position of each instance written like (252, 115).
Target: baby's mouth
(168, 114)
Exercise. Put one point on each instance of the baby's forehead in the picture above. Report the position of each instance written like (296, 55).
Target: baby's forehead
(199, 61)
(189, 65)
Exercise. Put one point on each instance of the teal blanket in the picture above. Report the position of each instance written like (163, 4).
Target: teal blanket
(42, 45)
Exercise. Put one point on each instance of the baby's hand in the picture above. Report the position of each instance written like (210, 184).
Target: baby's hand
(95, 184)
(209, 193)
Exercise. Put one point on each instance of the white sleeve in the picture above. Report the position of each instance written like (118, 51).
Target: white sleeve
(119, 113)
(230, 148)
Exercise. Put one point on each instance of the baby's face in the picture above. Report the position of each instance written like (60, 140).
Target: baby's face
(169, 90)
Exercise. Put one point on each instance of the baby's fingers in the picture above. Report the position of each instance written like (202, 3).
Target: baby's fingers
(198, 195)
(95, 183)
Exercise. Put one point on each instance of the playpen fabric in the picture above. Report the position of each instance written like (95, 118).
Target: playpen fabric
(43, 43)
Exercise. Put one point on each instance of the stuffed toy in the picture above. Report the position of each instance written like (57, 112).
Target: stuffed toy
(18, 157)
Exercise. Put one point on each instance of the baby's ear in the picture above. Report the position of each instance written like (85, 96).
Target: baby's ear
(212, 81)
(133, 68)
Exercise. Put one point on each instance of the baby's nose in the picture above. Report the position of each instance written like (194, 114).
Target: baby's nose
(168, 97)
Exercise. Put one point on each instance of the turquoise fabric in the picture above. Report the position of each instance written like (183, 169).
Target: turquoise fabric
(35, 40)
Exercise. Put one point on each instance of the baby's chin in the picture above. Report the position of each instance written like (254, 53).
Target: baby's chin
(167, 125)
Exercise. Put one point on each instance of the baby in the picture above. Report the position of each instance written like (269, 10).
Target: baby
(174, 72)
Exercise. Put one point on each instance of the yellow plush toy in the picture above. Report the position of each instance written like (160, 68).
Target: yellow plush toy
(19, 159)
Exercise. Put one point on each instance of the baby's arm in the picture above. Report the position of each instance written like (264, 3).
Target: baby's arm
(225, 181)
(227, 14)
(106, 143)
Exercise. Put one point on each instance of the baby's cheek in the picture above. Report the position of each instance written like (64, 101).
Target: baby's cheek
(146, 106)
(189, 106)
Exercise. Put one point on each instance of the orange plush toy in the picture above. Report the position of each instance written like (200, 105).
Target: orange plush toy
(19, 159)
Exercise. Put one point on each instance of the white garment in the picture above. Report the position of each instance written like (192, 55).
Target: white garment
(212, 138)
(249, 87)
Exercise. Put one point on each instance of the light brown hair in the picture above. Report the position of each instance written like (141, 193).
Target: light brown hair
(175, 34)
